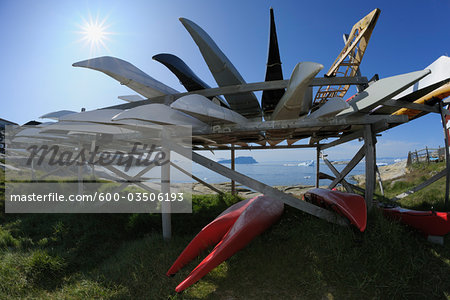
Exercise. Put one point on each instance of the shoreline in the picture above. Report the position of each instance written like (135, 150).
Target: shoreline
(388, 172)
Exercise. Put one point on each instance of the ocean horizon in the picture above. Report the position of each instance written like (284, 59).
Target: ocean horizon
(286, 172)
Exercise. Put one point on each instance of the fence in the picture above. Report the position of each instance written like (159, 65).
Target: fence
(426, 155)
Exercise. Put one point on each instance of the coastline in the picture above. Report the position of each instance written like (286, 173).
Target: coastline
(389, 172)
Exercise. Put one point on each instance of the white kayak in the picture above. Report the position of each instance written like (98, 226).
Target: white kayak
(57, 114)
(223, 71)
(382, 90)
(295, 101)
(205, 110)
(159, 114)
(330, 108)
(127, 74)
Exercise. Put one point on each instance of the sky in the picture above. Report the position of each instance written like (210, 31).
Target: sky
(41, 40)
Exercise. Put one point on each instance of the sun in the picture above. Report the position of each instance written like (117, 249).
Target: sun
(95, 34)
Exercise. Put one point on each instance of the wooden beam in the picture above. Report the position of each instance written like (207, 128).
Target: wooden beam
(380, 182)
(447, 155)
(233, 184)
(317, 165)
(224, 147)
(377, 127)
(329, 177)
(339, 177)
(258, 186)
(421, 186)
(303, 123)
(166, 205)
(412, 105)
(243, 88)
(350, 166)
(369, 144)
(195, 178)
(268, 190)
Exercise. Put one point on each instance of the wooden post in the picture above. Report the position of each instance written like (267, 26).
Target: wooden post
(380, 182)
(428, 155)
(409, 160)
(80, 174)
(447, 156)
(258, 186)
(165, 190)
(233, 183)
(369, 143)
(317, 165)
(33, 175)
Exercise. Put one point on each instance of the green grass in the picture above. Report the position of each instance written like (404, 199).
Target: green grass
(123, 256)
(431, 197)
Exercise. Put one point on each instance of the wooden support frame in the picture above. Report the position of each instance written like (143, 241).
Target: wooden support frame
(259, 186)
(242, 88)
(233, 157)
(131, 179)
(380, 182)
(370, 153)
(350, 166)
(447, 155)
(196, 178)
(165, 188)
(339, 177)
(377, 127)
(317, 166)
(329, 177)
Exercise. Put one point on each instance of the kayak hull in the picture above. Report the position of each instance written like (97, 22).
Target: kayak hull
(428, 222)
(351, 206)
(257, 214)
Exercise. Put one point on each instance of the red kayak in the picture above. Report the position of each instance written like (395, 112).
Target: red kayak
(254, 216)
(429, 222)
(210, 235)
(351, 206)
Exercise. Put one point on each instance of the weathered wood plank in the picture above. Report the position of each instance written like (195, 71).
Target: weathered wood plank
(447, 155)
(411, 105)
(196, 178)
(377, 127)
(421, 186)
(339, 177)
(350, 166)
(243, 88)
(369, 144)
(258, 186)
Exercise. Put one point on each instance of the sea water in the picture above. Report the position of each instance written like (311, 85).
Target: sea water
(283, 172)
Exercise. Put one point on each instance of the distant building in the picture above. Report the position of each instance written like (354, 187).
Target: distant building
(3, 124)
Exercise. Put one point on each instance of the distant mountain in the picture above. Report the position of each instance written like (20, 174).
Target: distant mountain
(239, 160)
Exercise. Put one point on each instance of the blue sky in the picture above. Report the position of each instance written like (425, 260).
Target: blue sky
(40, 42)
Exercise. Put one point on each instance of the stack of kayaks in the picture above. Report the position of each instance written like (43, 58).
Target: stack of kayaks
(429, 222)
(231, 231)
(351, 206)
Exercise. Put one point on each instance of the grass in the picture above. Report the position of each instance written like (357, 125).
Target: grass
(431, 197)
(122, 256)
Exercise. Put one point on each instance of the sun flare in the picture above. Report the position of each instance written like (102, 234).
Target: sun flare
(95, 34)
